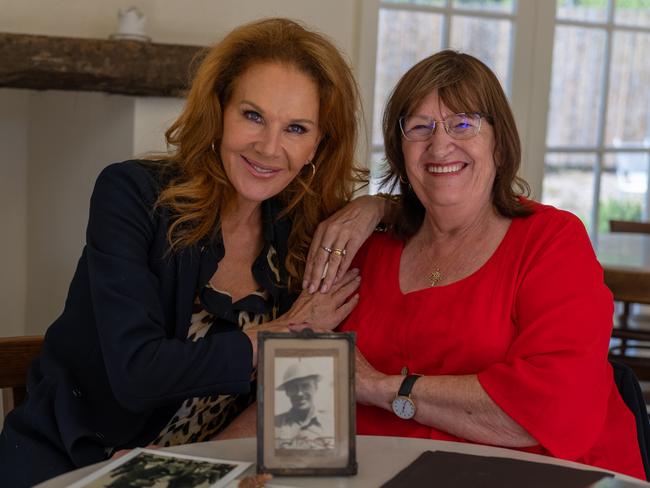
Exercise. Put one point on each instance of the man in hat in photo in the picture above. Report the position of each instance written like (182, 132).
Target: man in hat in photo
(303, 426)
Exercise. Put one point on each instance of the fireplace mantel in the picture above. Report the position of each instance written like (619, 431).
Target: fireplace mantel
(111, 66)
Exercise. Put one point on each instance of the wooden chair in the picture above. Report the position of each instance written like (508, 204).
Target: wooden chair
(629, 226)
(630, 292)
(16, 354)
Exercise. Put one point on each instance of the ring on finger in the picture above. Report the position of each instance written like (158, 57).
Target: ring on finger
(339, 252)
(327, 249)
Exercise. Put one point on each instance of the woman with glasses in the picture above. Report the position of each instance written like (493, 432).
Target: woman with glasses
(189, 256)
(483, 315)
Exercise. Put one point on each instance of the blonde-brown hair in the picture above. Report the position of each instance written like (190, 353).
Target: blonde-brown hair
(464, 84)
(202, 190)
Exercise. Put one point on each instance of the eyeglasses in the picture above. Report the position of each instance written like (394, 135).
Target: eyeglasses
(458, 126)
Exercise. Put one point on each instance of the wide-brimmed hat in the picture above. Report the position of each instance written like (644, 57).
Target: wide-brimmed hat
(297, 371)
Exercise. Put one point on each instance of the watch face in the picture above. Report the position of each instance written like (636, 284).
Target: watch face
(404, 407)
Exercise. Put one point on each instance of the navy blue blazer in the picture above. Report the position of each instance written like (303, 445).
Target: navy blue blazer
(116, 364)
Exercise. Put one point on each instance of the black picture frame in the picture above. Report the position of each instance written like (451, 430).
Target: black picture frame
(317, 444)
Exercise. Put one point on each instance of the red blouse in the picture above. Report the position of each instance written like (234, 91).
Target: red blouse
(533, 323)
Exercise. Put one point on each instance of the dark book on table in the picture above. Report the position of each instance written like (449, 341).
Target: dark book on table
(450, 469)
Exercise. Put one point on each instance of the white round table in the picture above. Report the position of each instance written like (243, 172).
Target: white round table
(379, 458)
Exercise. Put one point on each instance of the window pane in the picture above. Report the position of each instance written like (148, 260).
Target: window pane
(434, 3)
(632, 12)
(569, 183)
(488, 5)
(489, 40)
(404, 38)
(575, 98)
(623, 186)
(589, 10)
(628, 108)
(378, 167)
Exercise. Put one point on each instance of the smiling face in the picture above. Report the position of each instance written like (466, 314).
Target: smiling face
(301, 393)
(444, 171)
(270, 129)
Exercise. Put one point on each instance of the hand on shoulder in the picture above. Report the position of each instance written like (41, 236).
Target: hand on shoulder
(345, 231)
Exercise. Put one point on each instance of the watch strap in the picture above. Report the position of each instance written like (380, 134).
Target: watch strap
(407, 385)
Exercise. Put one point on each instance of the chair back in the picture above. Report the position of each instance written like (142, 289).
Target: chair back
(630, 289)
(628, 387)
(16, 354)
(629, 226)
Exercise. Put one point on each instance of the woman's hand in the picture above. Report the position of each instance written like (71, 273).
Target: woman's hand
(345, 231)
(320, 311)
(325, 311)
(455, 404)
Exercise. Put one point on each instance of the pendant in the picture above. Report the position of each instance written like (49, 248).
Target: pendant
(405, 370)
(435, 277)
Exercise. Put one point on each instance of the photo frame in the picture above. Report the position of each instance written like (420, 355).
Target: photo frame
(306, 421)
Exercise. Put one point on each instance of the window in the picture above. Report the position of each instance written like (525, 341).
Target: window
(577, 75)
(409, 31)
(598, 134)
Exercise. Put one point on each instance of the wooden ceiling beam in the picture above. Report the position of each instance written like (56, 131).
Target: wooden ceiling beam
(111, 66)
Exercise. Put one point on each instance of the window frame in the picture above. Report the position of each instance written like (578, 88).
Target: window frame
(600, 150)
(529, 70)
(531, 64)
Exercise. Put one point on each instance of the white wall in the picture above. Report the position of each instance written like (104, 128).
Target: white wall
(151, 118)
(198, 22)
(53, 144)
(13, 209)
(72, 136)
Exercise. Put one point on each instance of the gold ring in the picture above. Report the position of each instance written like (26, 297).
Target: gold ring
(326, 249)
(339, 252)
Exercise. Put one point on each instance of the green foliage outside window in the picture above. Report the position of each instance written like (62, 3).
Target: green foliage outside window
(618, 210)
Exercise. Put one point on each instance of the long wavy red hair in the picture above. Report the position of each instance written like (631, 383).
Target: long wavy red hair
(202, 190)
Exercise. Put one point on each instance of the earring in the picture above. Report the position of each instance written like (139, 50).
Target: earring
(313, 170)
(406, 182)
(213, 148)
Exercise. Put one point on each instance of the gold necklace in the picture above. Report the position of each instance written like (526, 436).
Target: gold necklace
(435, 276)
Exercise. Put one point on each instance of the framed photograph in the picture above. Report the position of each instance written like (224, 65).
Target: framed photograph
(149, 467)
(306, 404)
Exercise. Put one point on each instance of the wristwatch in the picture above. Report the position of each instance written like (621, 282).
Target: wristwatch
(403, 405)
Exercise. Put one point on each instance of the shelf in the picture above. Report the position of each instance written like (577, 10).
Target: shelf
(111, 66)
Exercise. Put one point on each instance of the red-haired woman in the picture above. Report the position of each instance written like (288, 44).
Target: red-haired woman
(189, 256)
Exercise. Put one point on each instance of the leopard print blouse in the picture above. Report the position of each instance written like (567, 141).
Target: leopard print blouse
(201, 418)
